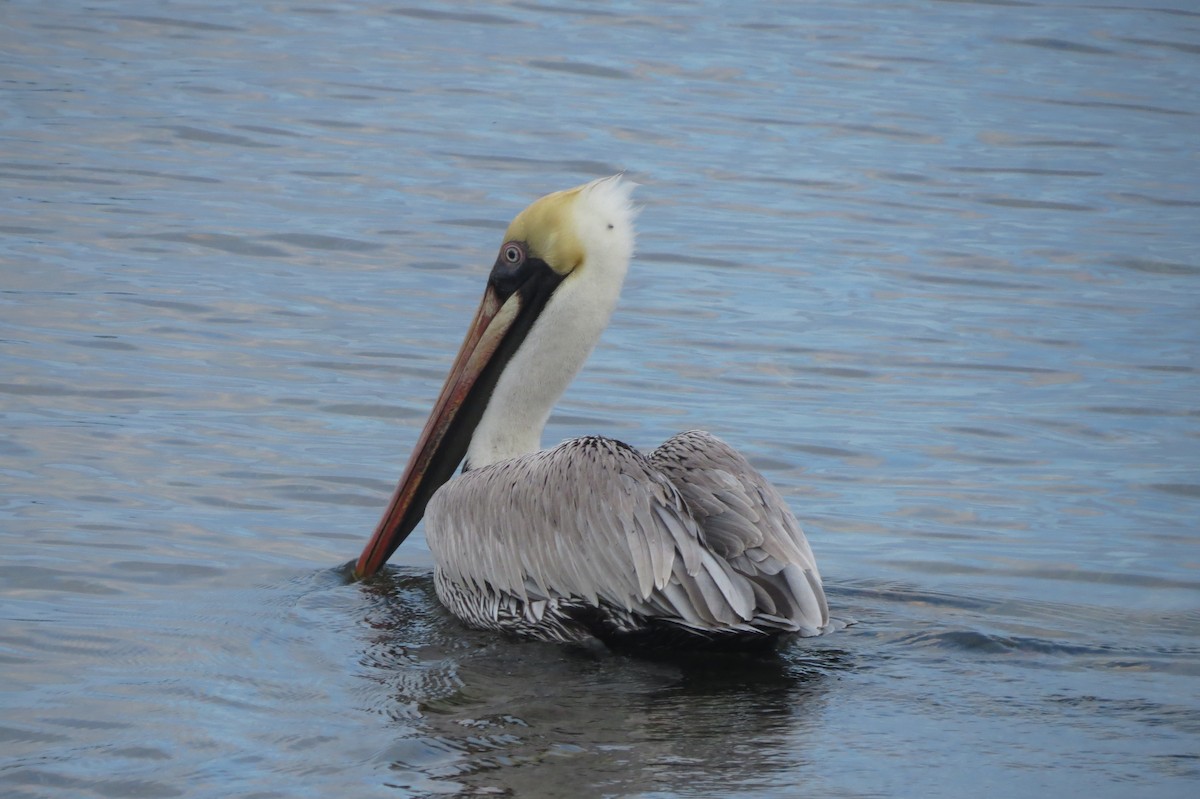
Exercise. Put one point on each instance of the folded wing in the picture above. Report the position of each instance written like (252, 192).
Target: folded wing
(593, 537)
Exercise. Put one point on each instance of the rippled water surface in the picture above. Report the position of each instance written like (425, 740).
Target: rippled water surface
(934, 266)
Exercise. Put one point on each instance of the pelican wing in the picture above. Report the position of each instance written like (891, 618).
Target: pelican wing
(745, 521)
(588, 519)
(596, 523)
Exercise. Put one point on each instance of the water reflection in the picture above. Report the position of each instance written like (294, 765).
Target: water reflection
(466, 704)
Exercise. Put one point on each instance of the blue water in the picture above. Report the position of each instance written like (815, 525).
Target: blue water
(933, 266)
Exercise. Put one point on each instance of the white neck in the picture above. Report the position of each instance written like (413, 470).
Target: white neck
(565, 332)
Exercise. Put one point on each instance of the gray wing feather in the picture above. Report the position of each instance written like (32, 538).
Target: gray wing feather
(596, 521)
(589, 519)
(747, 522)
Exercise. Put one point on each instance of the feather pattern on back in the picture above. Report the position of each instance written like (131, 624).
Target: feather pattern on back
(592, 539)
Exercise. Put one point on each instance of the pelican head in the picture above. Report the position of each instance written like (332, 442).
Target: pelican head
(550, 294)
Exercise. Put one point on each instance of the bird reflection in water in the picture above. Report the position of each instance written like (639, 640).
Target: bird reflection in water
(477, 712)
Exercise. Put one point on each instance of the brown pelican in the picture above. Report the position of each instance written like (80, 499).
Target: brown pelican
(591, 539)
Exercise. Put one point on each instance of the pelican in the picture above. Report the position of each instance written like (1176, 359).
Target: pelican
(590, 541)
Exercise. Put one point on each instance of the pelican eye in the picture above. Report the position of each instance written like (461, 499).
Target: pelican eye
(513, 254)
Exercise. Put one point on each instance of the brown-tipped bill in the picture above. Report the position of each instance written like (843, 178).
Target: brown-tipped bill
(447, 433)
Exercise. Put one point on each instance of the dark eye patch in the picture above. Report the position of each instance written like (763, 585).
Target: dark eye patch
(513, 268)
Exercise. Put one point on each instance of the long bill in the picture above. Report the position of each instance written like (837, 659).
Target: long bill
(447, 433)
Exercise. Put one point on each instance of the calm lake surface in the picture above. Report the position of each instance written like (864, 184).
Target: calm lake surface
(933, 266)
